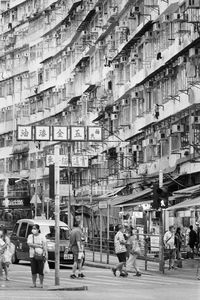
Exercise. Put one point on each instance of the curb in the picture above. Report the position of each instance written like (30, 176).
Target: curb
(78, 288)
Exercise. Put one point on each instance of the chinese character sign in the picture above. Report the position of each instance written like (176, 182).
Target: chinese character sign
(77, 133)
(79, 161)
(42, 133)
(60, 133)
(63, 161)
(50, 160)
(24, 133)
(94, 133)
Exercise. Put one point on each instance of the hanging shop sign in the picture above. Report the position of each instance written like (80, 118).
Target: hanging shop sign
(59, 133)
(77, 161)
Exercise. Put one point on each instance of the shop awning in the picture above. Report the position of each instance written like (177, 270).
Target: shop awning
(136, 203)
(112, 193)
(185, 204)
(121, 200)
(191, 192)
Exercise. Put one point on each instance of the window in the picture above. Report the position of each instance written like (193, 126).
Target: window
(15, 229)
(22, 231)
(29, 231)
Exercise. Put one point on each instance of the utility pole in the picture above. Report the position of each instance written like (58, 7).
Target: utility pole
(161, 248)
(69, 186)
(36, 182)
(57, 215)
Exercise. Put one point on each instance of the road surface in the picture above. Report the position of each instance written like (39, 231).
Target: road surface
(102, 285)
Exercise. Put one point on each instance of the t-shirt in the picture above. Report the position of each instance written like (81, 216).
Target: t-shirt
(169, 240)
(36, 239)
(75, 237)
(119, 239)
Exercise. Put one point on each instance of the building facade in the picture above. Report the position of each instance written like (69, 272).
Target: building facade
(131, 66)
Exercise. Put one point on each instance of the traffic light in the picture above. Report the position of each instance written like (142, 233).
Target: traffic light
(160, 197)
(51, 181)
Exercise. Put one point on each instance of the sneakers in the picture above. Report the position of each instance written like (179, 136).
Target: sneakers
(123, 274)
(114, 271)
(81, 275)
(138, 274)
(73, 276)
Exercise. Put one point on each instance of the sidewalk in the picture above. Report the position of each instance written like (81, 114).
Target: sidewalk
(188, 271)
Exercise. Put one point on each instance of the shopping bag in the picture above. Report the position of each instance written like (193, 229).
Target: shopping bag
(46, 269)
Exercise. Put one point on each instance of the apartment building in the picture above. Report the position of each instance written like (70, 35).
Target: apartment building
(131, 66)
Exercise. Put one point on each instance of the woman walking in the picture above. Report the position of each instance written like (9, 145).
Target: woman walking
(134, 251)
(7, 256)
(178, 244)
(38, 254)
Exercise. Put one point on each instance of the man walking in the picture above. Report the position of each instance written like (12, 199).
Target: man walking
(169, 241)
(77, 250)
(192, 239)
(120, 250)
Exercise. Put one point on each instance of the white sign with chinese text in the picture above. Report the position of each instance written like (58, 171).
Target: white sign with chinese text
(42, 133)
(94, 133)
(60, 133)
(24, 133)
(77, 133)
(79, 161)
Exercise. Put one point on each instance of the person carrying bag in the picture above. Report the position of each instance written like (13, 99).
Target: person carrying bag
(134, 250)
(38, 254)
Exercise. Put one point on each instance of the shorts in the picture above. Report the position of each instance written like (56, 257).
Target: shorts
(37, 266)
(75, 254)
(122, 256)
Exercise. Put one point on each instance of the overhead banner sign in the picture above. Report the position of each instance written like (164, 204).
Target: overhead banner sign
(59, 133)
(77, 161)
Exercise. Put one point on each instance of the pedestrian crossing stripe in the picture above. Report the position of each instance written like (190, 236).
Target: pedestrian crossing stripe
(114, 281)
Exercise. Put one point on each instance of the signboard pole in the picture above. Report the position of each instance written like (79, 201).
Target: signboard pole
(57, 216)
(36, 161)
(161, 254)
(69, 182)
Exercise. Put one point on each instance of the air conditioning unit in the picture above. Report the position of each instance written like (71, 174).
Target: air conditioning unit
(72, 108)
(101, 44)
(144, 143)
(125, 102)
(177, 17)
(152, 141)
(149, 35)
(156, 26)
(115, 108)
(123, 59)
(135, 94)
(168, 132)
(192, 4)
(166, 18)
(161, 136)
(169, 72)
(181, 60)
(114, 117)
(195, 119)
(176, 128)
(194, 52)
(136, 148)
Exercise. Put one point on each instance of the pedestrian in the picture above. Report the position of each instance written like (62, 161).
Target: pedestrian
(121, 252)
(2, 250)
(178, 244)
(134, 250)
(77, 250)
(198, 238)
(7, 256)
(169, 242)
(38, 254)
(192, 240)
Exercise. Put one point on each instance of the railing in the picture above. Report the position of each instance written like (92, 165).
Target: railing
(102, 250)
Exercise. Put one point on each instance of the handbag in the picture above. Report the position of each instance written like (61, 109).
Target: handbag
(46, 268)
(38, 256)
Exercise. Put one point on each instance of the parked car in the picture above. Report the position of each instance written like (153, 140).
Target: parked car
(23, 228)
